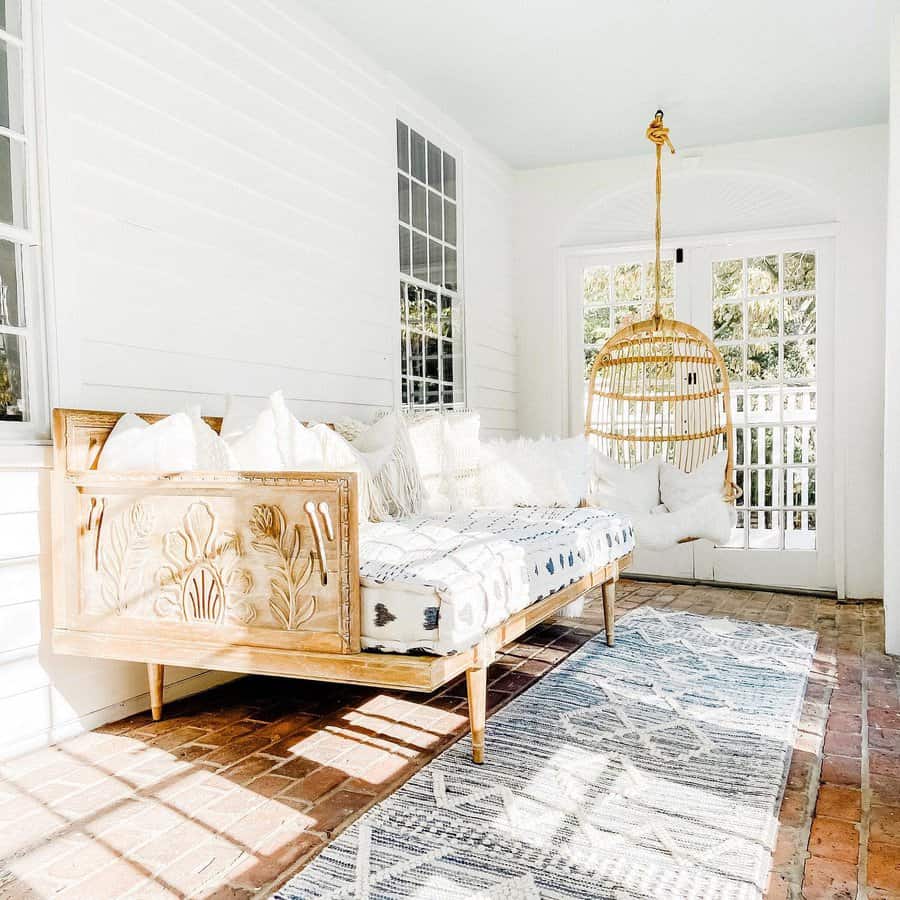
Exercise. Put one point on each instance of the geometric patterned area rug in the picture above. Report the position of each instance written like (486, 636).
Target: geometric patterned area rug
(654, 768)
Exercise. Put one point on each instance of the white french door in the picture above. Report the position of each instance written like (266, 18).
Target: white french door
(767, 301)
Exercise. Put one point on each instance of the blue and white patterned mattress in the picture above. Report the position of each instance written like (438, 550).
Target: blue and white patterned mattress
(435, 584)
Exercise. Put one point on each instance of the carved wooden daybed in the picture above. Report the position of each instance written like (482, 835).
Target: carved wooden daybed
(175, 569)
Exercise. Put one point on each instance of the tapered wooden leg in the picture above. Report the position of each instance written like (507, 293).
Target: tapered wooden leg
(155, 677)
(476, 684)
(609, 611)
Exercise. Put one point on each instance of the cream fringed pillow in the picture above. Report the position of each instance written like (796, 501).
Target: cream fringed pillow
(397, 489)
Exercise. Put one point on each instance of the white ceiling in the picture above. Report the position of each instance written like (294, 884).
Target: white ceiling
(542, 82)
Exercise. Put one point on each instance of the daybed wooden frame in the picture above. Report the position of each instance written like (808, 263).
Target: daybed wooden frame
(251, 572)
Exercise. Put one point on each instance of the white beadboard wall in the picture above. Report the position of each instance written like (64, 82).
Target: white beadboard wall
(222, 219)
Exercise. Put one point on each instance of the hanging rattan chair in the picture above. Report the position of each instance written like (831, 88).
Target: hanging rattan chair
(660, 387)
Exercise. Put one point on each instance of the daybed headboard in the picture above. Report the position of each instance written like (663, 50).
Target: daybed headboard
(267, 559)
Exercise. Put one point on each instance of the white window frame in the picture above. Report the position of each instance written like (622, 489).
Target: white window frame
(460, 336)
(35, 429)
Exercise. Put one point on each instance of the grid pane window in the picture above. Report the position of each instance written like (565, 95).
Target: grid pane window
(764, 324)
(431, 313)
(18, 331)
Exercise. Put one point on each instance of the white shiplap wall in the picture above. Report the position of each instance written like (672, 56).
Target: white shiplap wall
(222, 214)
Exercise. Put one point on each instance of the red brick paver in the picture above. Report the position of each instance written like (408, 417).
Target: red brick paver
(237, 788)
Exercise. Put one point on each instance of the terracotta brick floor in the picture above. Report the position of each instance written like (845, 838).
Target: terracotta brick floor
(238, 787)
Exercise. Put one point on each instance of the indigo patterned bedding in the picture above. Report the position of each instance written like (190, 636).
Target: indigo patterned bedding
(435, 584)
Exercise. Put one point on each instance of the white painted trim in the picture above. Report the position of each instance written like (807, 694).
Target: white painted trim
(801, 232)
(18, 455)
(193, 684)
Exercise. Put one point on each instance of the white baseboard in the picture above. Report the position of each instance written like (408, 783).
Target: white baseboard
(62, 731)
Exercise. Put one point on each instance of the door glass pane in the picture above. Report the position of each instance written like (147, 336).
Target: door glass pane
(727, 274)
(728, 322)
(762, 317)
(800, 314)
(596, 284)
(628, 282)
(666, 279)
(764, 323)
(762, 275)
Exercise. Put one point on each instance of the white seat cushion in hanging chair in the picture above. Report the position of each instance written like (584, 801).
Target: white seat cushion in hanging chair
(710, 517)
(693, 504)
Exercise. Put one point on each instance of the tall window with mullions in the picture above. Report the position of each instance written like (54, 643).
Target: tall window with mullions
(431, 310)
(23, 412)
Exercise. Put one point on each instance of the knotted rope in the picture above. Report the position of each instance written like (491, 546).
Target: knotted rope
(659, 135)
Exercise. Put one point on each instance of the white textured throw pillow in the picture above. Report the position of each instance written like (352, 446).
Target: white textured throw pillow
(461, 459)
(212, 452)
(528, 472)
(679, 489)
(134, 445)
(426, 436)
(710, 517)
(251, 434)
(632, 491)
(299, 447)
(272, 439)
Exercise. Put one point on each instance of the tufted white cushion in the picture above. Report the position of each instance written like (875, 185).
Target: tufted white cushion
(437, 583)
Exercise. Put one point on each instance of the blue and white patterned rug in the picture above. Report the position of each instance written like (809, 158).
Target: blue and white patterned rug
(651, 769)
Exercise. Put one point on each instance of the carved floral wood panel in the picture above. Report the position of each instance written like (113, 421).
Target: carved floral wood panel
(215, 560)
